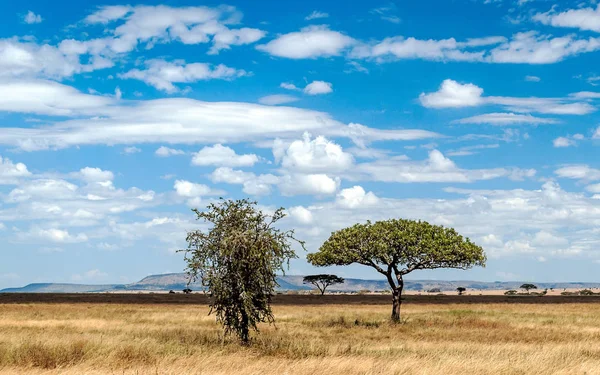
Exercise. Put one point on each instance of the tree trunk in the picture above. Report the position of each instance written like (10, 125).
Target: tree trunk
(244, 329)
(397, 299)
(396, 303)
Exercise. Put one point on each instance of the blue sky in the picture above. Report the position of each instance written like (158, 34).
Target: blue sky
(117, 118)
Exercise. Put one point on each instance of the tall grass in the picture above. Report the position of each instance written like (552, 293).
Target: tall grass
(340, 339)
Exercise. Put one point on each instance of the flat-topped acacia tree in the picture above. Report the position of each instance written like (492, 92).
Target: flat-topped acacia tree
(397, 247)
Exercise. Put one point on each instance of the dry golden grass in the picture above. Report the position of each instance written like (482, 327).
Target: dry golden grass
(326, 339)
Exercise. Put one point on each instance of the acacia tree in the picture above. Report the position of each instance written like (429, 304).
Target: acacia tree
(528, 287)
(397, 247)
(461, 290)
(322, 281)
(237, 261)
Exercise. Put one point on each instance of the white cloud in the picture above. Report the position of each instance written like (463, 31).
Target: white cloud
(162, 74)
(164, 152)
(28, 59)
(91, 175)
(164, 24)
(42, 188)
(53, 235)
(356, 197)
(532, 79)
(315, 15)
(318, 88)
(582, 18)
(102, 120)
(301, 214)
(31, 18)
(308, 184)
(578, 172)
(223, 156)
(10, 172)
(47, 98)
(593, 188)
(277, 99)
(289, 86)
(563, 142)
(585, 95)
(502, 119)
(523, 48)
(436, 168)
(131, 150)
(252, 184)
(312, 155)
(532, 48)
(309, 42)
(596, 134)
(189, 189)
(453, 94)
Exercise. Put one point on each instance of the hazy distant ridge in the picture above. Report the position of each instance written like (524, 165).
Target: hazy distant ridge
(178, 281)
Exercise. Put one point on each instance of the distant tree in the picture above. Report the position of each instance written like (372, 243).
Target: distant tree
(528, 287)
(187, 291)
(461, 290)
(237, 260)
(511, 292)
(322, 281)
(434, 290)
(171, 292)
(398, 247)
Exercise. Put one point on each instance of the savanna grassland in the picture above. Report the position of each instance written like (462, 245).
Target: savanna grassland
(436, 338)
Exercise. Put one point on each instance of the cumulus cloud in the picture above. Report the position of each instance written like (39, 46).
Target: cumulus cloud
(223, 156)
(164, 24)
(163, 74)
(11, 172)
(312, 155)
(356, 197)
(301, 215)
(318, 88)
(31, 18)
(252, 184)
(578, 172)
(582, 18)
(309, 42)
(453, 94)
(308, 184)
(164, 152)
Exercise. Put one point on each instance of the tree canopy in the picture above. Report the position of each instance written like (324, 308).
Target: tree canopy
(528, 286)
(461, 290)
(237, 260)
(322, 281)
(398, 247)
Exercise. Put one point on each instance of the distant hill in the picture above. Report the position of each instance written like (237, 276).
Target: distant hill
(178, 281)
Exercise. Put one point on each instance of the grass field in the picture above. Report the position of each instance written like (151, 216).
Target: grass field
(351, 338)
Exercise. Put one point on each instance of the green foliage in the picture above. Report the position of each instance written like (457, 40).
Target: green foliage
(397, 247)
(461, 290)
(434, 290)
(414, 244)
(237, 260)
(528, 287)
(511, 292)
(586, 292)
(322, 281)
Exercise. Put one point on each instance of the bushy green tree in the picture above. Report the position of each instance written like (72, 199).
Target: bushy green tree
(461, 290)
(322, 281)
(397, 247)
(237, 261)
